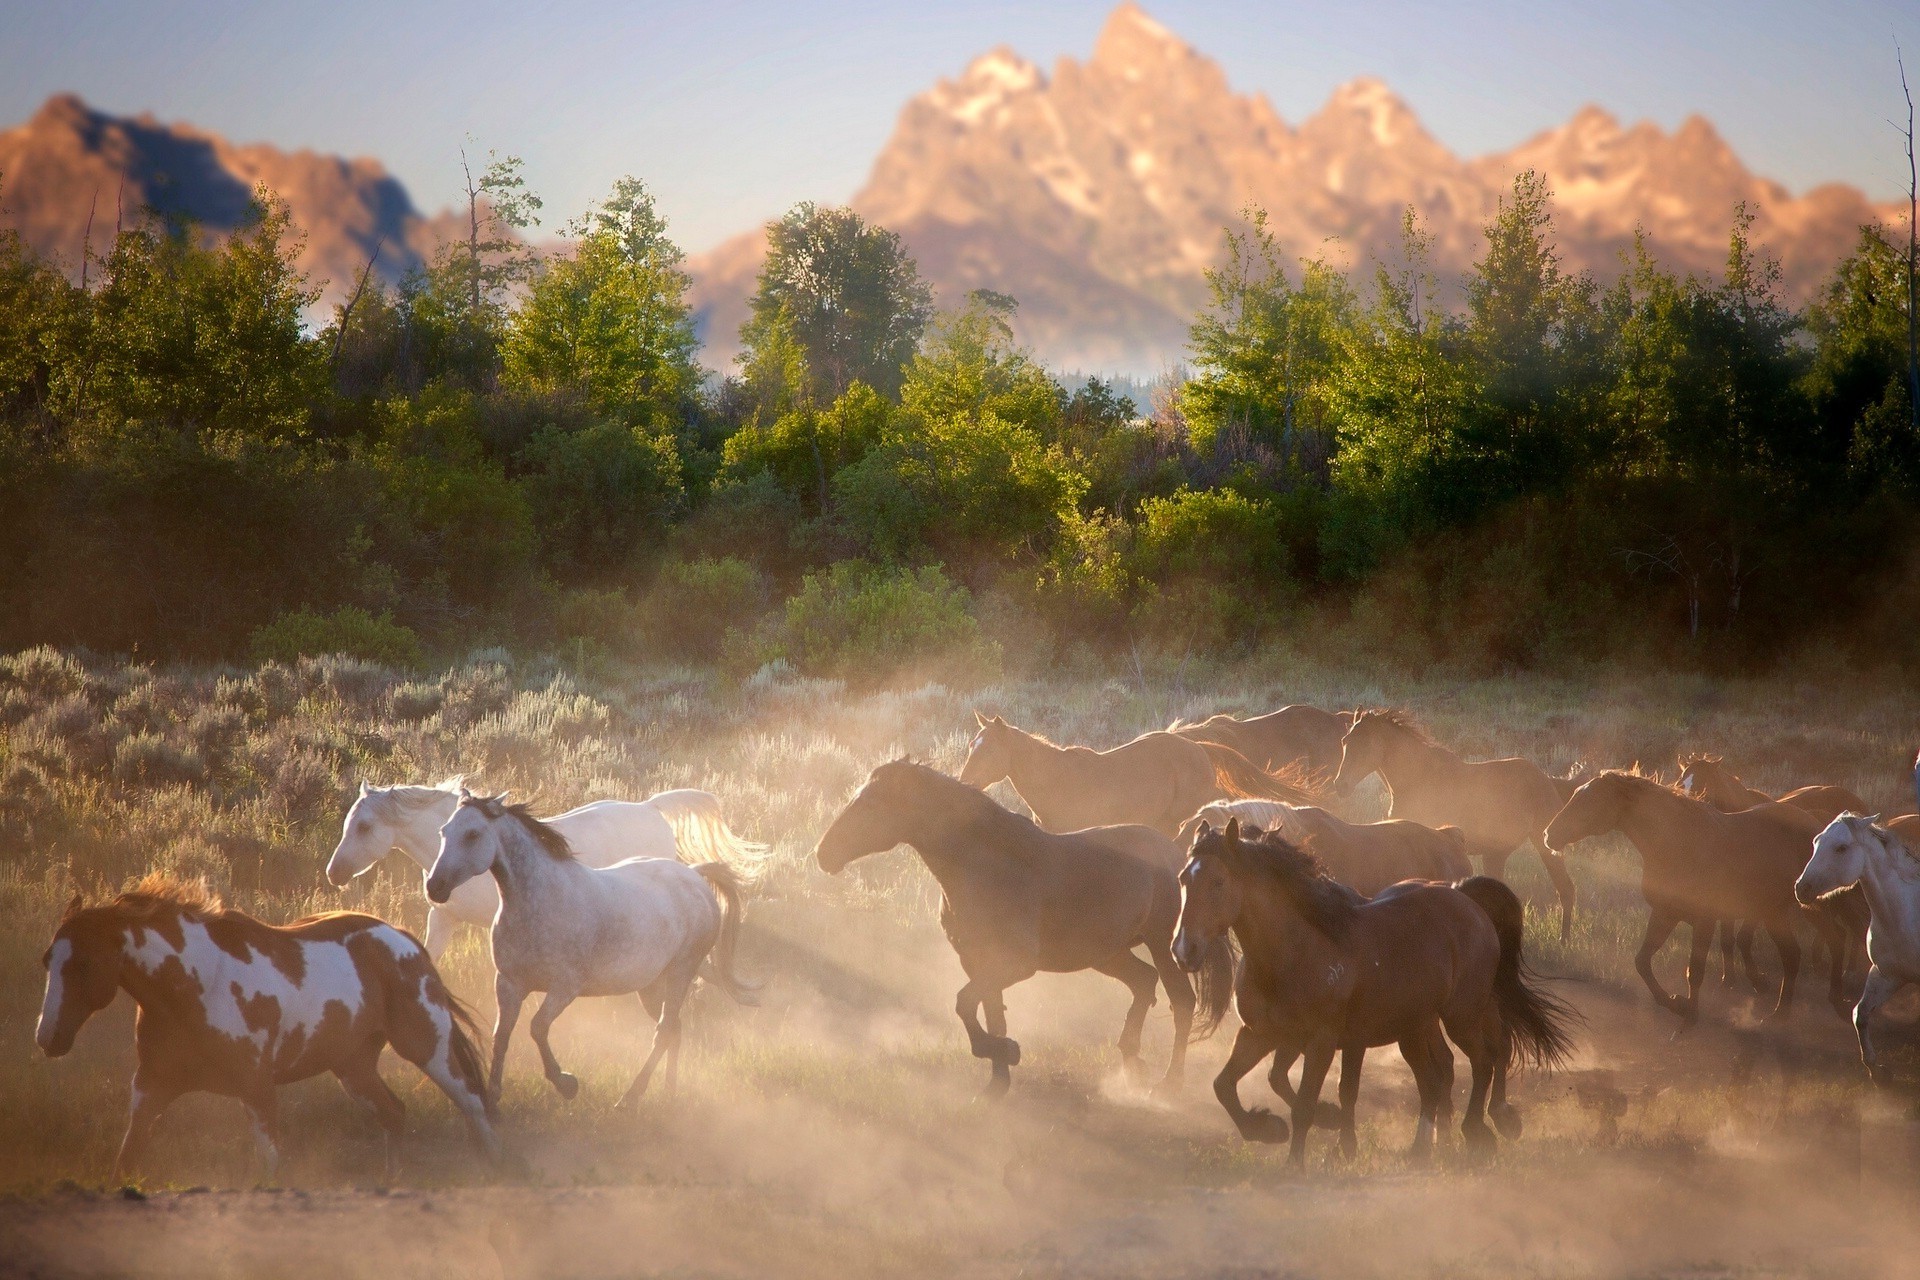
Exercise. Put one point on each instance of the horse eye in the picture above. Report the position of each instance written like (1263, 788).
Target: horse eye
(363, 826)
(471, 836)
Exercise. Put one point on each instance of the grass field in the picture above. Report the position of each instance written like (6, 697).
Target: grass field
(832, 1130)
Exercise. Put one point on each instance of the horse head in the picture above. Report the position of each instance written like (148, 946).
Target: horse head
(1842, 853)
(469, 844)
(1210, 894)
(83, 975)
(874, 821)
(990, 754)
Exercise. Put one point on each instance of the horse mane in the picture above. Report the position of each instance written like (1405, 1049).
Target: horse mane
(157, 891)
(1327, 904)
(1641, 775)
(547, 837)
(413, 797)
(1687, 762)
(1399, 719)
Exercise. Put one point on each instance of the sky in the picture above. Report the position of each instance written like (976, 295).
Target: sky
(733, 110)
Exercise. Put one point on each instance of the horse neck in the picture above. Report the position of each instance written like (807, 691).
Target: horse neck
(417, 833)
(1274, 937)
(1407, 762)
(953, 835)
(1890, 894)
(143, 983)
(525, 872)
(1653, 814)
(1038, 770)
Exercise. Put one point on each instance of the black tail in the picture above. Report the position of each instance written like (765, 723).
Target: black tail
(462, 1051)
(1213, 988)
(1539, 1026)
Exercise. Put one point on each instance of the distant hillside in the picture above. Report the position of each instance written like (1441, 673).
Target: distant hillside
(1097, 195)
(70, 163)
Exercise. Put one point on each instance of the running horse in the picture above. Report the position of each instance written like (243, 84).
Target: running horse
(1326, 972)
(1294, 737)
(234, 1006)
(1365, 856)
(1855, 852)
(1017, 900)
(1499, 804)
(1157, 780)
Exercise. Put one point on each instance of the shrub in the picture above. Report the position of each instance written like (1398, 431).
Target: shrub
(348, 630)
(863, 622)
(694, 604)
(149, 759)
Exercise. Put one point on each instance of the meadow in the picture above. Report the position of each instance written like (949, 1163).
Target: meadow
(832, 1130)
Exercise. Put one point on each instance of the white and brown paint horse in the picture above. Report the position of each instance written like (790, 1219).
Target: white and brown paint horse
(233, 1006)
(684, 824)
(646, 925)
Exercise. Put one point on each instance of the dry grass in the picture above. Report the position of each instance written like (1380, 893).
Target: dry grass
(832, 1130)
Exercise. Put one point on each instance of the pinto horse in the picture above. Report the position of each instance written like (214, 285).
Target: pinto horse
(233, 1006)
(1365, 856)
(646, 925)
(1325, 971)
(1698, 867)
(1296, 736)
(1018, 900)
(1499, 804)
(1157, 780)
(681, 824)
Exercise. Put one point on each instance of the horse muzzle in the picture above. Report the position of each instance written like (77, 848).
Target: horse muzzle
(54, 1041)
(438, 891)
(1185, 954)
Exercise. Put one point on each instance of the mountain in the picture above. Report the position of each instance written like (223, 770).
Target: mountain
(1097, 195)
(69, 173)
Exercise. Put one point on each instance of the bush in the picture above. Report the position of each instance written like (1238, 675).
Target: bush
(864, 622)
(347, 630)
(694, 605)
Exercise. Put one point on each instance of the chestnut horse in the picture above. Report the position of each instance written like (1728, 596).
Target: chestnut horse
(1499, 804)
(1157, 780)
(1294, 737)
(1017, 900)
(1364, 856)
(1699, 866)
(233, 1006)
(1326, 972)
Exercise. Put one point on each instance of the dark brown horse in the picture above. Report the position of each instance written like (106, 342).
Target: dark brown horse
(1499, 804)
(1364, 856)
(1324, 972)
(1708, 778)
(1699, 866)
(1017, 901)
(1294, 737)
(1158, 780)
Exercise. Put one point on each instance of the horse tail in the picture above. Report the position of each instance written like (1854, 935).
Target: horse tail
(1539, 1026)
(701, 834)
(463, 1050)
(1451, 855)
(726, 883)
(1213, 988)
(1242, 779)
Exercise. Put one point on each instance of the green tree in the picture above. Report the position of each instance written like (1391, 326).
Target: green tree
(1857, 378)
(971, 365)
(845, 294)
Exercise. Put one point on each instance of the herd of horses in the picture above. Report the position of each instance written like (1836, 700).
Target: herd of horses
(1209, 845)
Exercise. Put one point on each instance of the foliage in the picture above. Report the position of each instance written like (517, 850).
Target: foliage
(864, 622)
(347, 630)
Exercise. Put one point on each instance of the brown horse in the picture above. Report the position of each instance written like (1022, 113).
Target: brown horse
(1364, 856)
(1294, 737)
(1700, 866)
(1708, 778)
(1326, 972)
(1158, 780)
(233, 1006)
(1017, 901)
(1499, 804)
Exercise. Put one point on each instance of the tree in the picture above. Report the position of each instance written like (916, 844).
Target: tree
(612, 321)
(971, 365)
(842, 293)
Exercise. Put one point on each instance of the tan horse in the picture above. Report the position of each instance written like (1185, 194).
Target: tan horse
(1297, 736)
(1499, 804)
(1700, 866)
(1364, 856)
(1158, 780)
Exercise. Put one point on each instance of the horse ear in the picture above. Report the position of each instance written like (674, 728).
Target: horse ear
(1233, 829)
(1202, 831)
(364, 788)
(464, 793)
(979, 719)
(74, 904)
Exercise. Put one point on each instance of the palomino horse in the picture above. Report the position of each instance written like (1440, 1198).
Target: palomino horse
(1699, 866)
(646, 925)
(1856, 851)
(1499, 804)
(1157, 780)
(1708, 778)
(1294, 737)
(1017, 900)
(233, 1006)
(674, 824)
(1364, 856)
(1325, 972)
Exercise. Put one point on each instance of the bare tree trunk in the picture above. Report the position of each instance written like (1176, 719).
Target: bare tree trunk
(346, 312)
(473, 231)
(1913, 256)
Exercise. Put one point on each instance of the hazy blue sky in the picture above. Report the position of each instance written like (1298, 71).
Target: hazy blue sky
(733, 109)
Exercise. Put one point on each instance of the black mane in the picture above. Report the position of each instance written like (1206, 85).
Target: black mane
(547, 837)
(1328, 905)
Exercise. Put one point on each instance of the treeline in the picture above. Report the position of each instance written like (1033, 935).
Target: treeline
(508, 449)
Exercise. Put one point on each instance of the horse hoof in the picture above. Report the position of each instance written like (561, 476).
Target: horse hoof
(1506, 1121)
(995, 1090)
(1007, 1052)
(1261, 1125)
(567, 1084)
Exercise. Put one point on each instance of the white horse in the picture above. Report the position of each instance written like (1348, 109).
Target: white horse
(1856, 850)
(674, 824)
(646, 925)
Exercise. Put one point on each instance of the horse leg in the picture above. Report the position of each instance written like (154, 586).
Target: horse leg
(550, 1008)
(1351, 1060)
(1879, 988)
(1839, 944)
(508, 996)
(1725, 930)
(1418, 1053)
(1327, 1115)
(1787, 943)
(1259, 1124)
(1142, 980)
(1506, 1120)
(1556, 865)
(1181, 998)
(997, 1048)
(1747, 962)
(666, 1039)
(1479, 1047)
(440, 926)
(363, 1083)
(1699, 939)
(263, 1108)
(433, 1054)
(149, 1101)
(1660, 927)
(1313, 1073)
